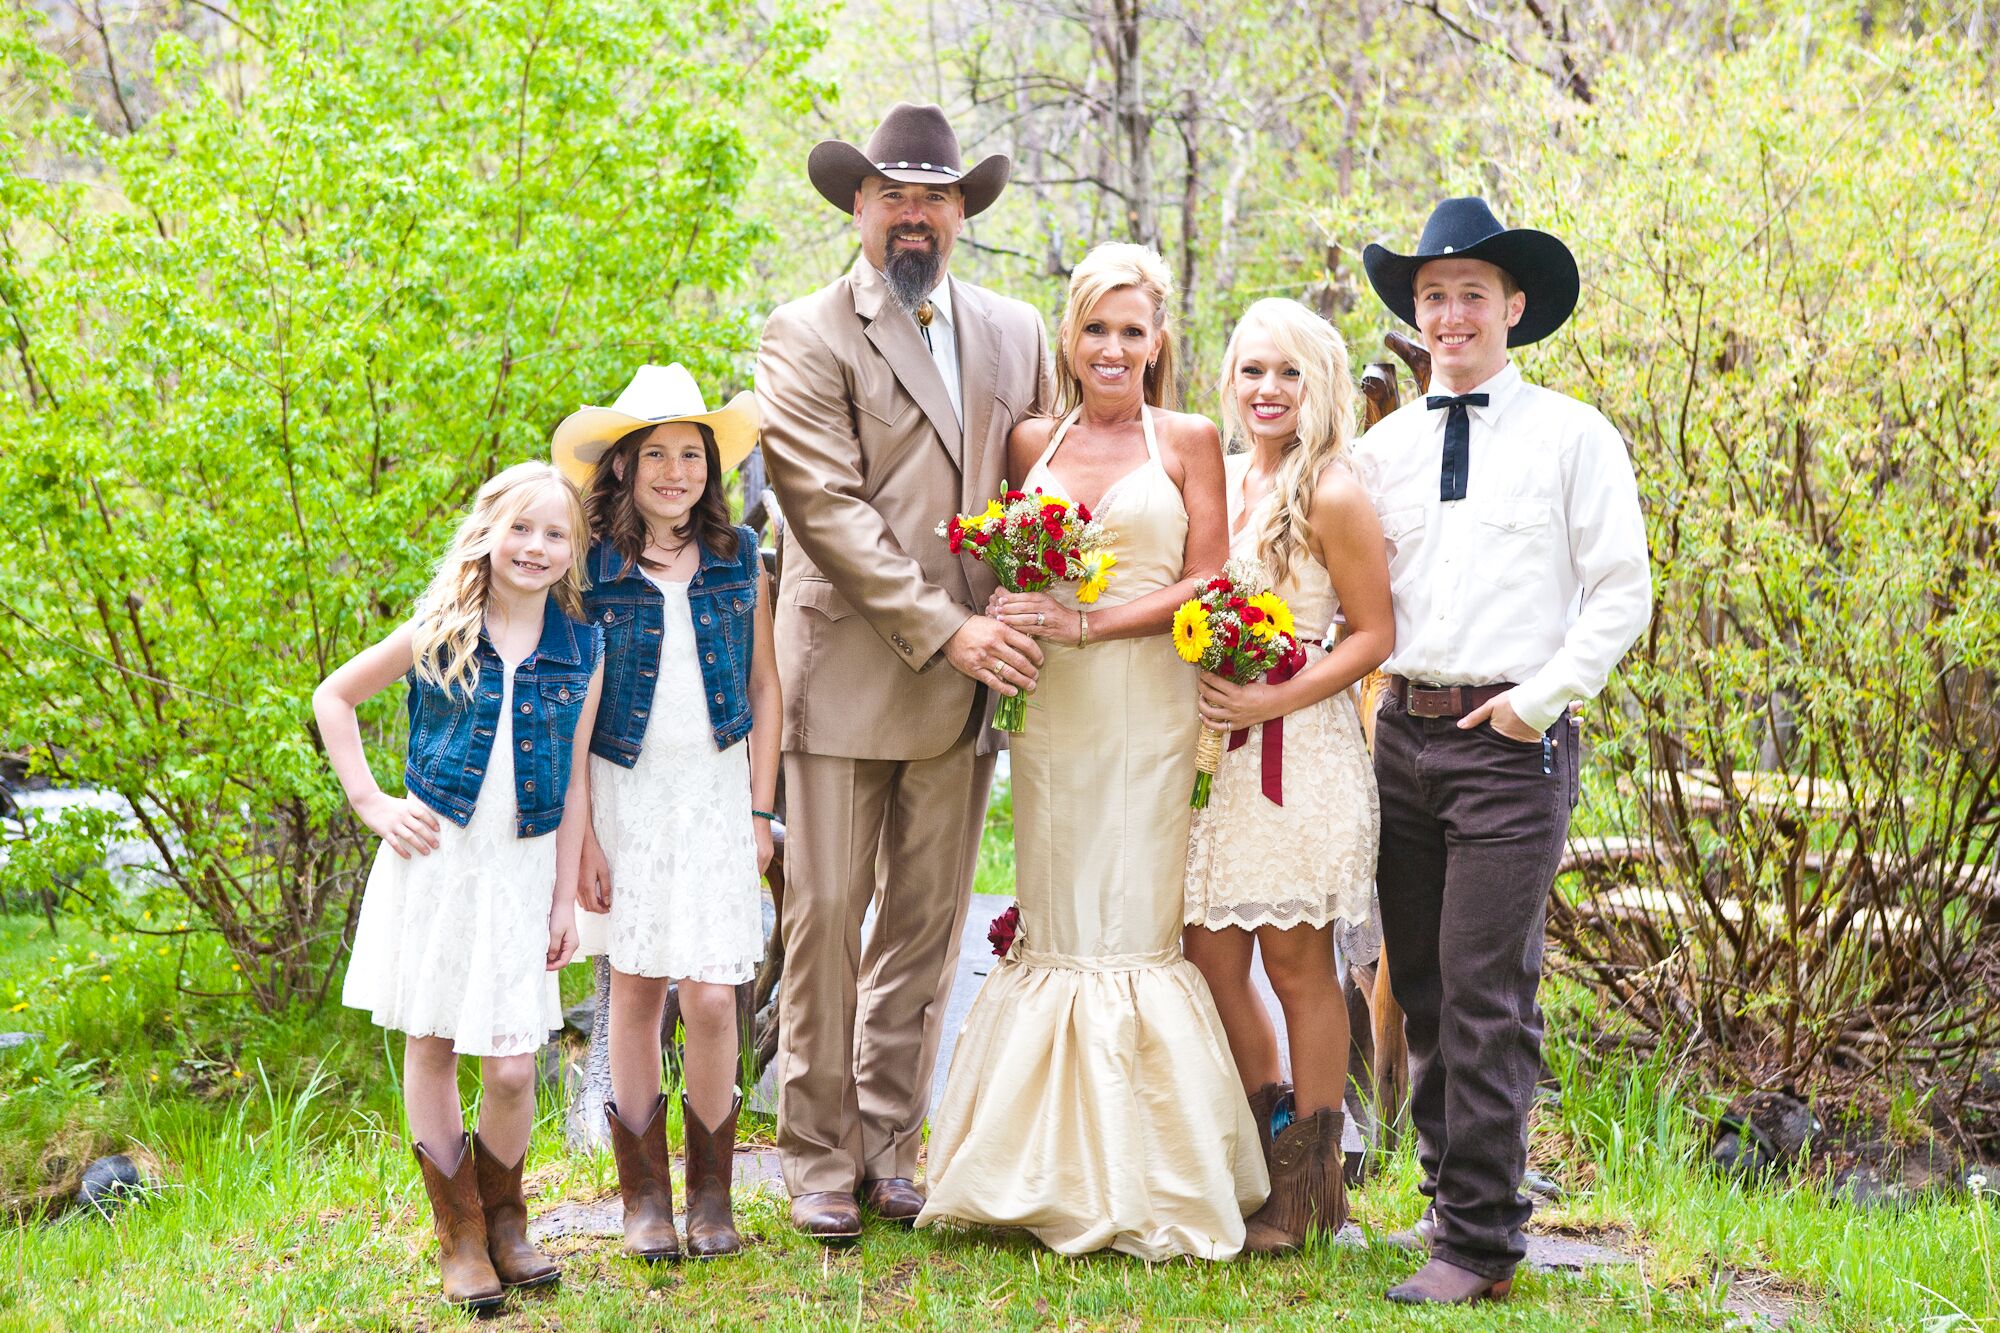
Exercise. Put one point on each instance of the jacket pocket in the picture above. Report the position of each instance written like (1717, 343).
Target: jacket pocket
(821, 597)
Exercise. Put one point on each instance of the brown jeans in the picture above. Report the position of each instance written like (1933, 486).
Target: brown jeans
(1472, 830)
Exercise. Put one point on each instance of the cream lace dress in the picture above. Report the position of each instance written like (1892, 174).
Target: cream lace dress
(676, 829)
(1310, 861)
(1092, 1098)
(455, 944)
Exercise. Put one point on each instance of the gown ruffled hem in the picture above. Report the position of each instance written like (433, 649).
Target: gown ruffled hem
(1093, 1102)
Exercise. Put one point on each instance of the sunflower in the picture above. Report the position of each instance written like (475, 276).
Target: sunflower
(1191, 632)
(1277, 616)
(1096, 573)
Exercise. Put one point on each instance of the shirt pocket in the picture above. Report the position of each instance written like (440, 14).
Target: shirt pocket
(1402, 532)
(1512, 541)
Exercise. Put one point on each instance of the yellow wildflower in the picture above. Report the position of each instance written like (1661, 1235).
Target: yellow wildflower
(993, 513)
(1096, 573)
(1191, 632)
(1277, 616)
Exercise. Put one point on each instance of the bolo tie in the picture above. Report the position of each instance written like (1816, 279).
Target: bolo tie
(925, 313)
(1457, 441)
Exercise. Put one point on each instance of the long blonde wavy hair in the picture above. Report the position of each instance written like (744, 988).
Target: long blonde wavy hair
(1326, 418)
(452, 610)
(1104, 270)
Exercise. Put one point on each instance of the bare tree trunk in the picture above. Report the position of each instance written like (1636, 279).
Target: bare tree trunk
(1118, 31)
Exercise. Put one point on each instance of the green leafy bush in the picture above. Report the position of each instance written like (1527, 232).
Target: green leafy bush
(272, 310)
(1789, 311)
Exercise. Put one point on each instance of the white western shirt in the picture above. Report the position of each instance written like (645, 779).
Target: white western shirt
(944, 345)
(943, 341)
(1539, 575)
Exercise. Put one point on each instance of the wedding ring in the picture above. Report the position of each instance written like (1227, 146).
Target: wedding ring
(1041, 618)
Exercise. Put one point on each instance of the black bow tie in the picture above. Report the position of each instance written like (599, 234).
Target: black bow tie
(1457, 441)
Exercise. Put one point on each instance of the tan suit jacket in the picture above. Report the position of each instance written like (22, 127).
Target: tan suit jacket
(867, 459)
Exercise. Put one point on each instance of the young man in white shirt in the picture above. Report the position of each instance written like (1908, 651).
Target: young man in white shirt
(1519, 575)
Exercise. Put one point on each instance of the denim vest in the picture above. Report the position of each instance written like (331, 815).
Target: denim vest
(451, 734)
(622, 602)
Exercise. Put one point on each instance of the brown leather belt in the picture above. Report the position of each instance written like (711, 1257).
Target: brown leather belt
(1423, 700)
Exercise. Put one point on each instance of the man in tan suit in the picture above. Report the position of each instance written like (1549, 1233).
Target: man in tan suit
(887, 398)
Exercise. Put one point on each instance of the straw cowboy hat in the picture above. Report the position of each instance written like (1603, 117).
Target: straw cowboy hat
(913, 144)
(656, 396)
(1541, 266)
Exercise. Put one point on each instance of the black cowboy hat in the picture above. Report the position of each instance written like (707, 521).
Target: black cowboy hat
(913, 144)
(1541, 266)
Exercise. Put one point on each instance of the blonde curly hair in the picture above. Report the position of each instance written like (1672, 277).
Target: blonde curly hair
(1326, 418)
(453, 608)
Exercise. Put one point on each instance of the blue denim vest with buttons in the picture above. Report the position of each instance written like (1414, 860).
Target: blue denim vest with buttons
(622, 602)
(452, 734)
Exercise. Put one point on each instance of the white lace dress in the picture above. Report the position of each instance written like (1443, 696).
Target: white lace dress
(1310, 861)
(455, 944)
(676, 829)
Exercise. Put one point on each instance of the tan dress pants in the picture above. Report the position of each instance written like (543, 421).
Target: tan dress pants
(859, 1029)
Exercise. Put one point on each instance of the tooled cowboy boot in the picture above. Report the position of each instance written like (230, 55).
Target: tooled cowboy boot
(469, 1279)
(518, 1262)
(644, 1183)
(711, 1161)
(1264, 1104)
(1307, 1190)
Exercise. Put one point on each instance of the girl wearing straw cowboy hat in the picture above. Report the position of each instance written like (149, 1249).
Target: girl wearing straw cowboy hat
(680, 829)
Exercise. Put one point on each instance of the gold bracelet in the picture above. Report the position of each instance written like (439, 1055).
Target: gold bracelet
(1082, 628)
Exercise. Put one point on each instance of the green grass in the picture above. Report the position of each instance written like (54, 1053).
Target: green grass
(288, 1199)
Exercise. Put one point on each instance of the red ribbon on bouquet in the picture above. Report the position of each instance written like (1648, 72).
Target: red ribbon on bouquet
(1273, 759)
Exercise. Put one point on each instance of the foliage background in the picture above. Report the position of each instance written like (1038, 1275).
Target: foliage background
(281, 283)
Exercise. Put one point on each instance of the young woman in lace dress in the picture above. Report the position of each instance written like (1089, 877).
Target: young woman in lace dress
(683, 769)
(1283, 858)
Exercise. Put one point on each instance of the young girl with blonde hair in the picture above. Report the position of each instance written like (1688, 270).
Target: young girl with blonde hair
(1284, 855)
(468, 913)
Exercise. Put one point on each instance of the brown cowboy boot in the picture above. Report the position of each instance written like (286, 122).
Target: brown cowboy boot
(1441, 1283)
(1264, 1105)
(711, 1161)
(518, 1263)
(1307, 1190)
(644, 1183)
(469, 1279)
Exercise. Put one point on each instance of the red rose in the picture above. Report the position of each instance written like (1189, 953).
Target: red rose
(1000, 934)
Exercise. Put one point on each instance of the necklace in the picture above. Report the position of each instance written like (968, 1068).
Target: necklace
(673, 553)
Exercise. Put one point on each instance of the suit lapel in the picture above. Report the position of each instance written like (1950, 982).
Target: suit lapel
(979, 382)
(894, 335)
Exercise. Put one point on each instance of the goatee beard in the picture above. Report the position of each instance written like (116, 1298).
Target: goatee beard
(913, 276)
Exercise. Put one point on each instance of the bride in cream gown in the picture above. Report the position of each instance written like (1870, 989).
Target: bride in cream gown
(1092, 1098)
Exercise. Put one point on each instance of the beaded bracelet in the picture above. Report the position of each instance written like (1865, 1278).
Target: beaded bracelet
(764, 814)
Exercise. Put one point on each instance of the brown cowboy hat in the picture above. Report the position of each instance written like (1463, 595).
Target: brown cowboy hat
(913, 144)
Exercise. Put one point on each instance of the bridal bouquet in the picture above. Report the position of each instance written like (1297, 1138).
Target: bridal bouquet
(1237, 628)
(1031, 542)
